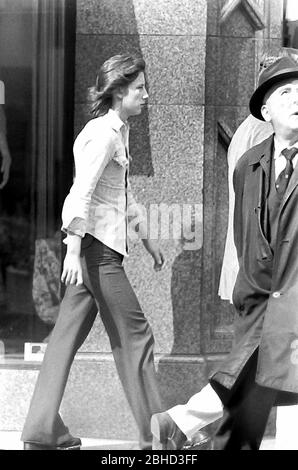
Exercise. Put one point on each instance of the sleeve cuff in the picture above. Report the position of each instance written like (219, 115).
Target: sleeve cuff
(76, 227)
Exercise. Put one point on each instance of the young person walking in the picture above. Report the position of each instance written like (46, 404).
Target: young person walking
(95, 217)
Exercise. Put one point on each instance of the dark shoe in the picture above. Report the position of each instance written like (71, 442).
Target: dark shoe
(200, 441)
(166, 434)
(72, 444)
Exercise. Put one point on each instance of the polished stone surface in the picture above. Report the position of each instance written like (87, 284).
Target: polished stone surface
(134, 17)
(275, 24)
(183, 54)
(92, 51)
(106, 17)
(224, 55)
(237, 24)
(177, 152)
(212, 17)
(170, 298)
(162, 54)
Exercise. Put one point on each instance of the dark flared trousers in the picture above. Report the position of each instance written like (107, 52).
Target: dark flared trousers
(105, 288)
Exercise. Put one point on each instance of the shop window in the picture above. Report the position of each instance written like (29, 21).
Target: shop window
(36, 128)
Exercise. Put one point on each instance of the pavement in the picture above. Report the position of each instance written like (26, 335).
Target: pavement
(10, 440)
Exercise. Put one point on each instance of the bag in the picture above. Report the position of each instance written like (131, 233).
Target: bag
(46, 279)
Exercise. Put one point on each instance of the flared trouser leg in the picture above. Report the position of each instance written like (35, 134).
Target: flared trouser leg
(132, 344)
(76, 316)
(106, 288)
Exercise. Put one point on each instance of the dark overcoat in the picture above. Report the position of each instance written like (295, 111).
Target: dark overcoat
(266, 290)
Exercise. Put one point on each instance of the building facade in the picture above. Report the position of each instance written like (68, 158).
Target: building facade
(202, 61)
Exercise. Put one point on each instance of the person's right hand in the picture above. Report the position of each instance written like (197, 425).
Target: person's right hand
(72, 270)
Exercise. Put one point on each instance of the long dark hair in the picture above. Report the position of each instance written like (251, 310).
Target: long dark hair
(118, 71)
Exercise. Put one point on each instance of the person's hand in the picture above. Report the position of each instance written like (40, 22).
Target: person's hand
(158, 260)
(72, 270)
(5, 168)
(154, 249)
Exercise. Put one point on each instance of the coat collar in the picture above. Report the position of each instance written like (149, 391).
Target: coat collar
(262, 153)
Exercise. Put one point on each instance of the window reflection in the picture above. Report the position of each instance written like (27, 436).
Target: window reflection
(39, 142)
(18, 322)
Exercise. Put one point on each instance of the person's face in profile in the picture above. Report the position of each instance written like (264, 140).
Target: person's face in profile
(281, 107)
(135, 96)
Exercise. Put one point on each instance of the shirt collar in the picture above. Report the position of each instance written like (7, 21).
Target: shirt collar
(116, 123)
(278, 148)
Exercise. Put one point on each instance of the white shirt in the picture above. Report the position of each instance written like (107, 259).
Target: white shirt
(99, 202)
(280, 159)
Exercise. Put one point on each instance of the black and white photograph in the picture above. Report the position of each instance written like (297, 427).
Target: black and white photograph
(148, 228)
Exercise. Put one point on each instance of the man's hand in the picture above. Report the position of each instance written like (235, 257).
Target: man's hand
(153, 248)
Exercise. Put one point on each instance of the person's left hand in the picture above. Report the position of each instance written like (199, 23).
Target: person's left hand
(153, 248)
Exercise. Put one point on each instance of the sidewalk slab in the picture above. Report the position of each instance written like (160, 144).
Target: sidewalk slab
(10, 440)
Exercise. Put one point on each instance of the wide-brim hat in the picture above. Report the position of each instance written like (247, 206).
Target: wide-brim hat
(280, 70)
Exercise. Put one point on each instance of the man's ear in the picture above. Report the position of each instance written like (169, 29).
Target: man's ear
(265, 113)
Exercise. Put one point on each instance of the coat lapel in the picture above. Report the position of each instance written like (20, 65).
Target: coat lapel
(262, 157)
(291, 186)
(265, 164)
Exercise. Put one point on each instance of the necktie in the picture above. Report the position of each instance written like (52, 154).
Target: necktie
(284, 177)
